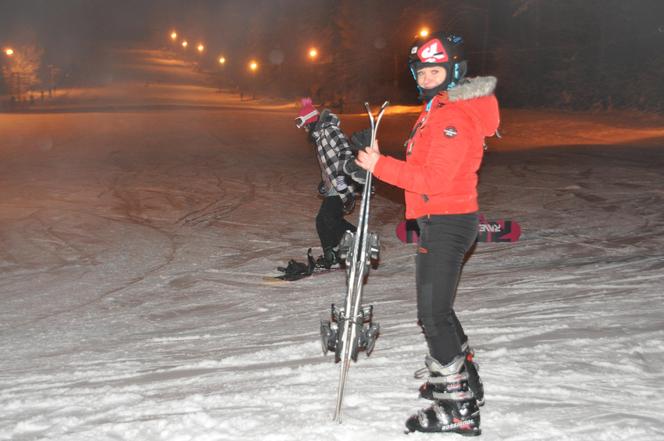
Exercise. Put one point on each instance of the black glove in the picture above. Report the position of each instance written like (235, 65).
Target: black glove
(349, 203)
(360, 140)
(357, 173)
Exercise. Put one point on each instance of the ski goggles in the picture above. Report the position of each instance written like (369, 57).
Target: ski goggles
(300, 121)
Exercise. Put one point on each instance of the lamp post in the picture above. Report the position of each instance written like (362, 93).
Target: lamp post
(313, 54)
(174, 39)
(253, 67)
(51, 80)
(222, 62)
(14, 77)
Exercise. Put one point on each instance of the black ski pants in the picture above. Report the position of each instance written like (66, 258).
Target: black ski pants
(444, 241)
(330, 222)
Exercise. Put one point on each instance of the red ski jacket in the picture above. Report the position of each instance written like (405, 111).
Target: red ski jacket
(445, 150)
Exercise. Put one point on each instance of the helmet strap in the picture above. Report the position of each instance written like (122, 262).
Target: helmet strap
(428, 94)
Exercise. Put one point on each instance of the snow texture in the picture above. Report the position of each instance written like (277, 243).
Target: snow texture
(136, 231)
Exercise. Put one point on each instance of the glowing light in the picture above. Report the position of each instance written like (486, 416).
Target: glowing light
(9, 52)
(253, 65)
(174, 35)
(424, 32)
(200, 47)
(313, 53)
(185, 44)
(222, 60)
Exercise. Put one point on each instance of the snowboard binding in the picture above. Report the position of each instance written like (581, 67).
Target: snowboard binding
(297, 270)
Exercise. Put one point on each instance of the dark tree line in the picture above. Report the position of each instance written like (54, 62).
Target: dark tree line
(566, 53)
(593, 54)
(547, 53)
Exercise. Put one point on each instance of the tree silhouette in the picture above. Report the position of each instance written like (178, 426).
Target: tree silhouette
(21, 71)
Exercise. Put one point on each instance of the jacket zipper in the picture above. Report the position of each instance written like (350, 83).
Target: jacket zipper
(409, 142)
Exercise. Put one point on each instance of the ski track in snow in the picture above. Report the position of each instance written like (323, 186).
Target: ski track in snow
(133, 305)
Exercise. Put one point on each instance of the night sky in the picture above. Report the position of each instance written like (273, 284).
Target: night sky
(562, 53)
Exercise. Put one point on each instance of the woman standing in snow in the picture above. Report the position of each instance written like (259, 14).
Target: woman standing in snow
(439, 178)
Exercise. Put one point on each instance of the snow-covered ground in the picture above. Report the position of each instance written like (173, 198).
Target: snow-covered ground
(135, 237)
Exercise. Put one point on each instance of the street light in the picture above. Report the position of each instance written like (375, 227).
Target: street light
(185, 44)
(221, 78)
(200, 48)
(174, 35)
(253, 67)
(424, 32)
(15, 79)
(313, 55)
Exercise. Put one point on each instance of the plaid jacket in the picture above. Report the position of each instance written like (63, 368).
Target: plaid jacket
(333, 151)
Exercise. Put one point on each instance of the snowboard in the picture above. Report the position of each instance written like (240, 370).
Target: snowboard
(488, 231)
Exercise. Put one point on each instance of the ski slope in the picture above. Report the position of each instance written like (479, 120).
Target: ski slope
(135, 236)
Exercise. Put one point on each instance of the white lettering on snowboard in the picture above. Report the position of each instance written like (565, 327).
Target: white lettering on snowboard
(490, 228)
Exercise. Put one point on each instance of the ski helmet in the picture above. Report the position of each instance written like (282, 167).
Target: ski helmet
(439, 49)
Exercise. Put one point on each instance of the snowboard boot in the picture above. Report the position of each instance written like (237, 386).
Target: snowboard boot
(474, 381)
(329, 258)
(455, 408)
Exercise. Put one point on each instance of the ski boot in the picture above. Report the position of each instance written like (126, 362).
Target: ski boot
(455, 408)
(474, 381)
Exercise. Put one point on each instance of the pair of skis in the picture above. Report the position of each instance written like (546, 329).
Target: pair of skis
(351, 329)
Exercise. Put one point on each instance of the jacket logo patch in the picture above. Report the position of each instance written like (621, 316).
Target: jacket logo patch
(450, 132)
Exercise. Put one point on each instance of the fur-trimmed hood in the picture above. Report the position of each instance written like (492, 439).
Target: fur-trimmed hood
(475, 97)
(472, 88)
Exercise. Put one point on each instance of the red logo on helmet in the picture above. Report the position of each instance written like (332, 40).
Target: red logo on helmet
(432, 52)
